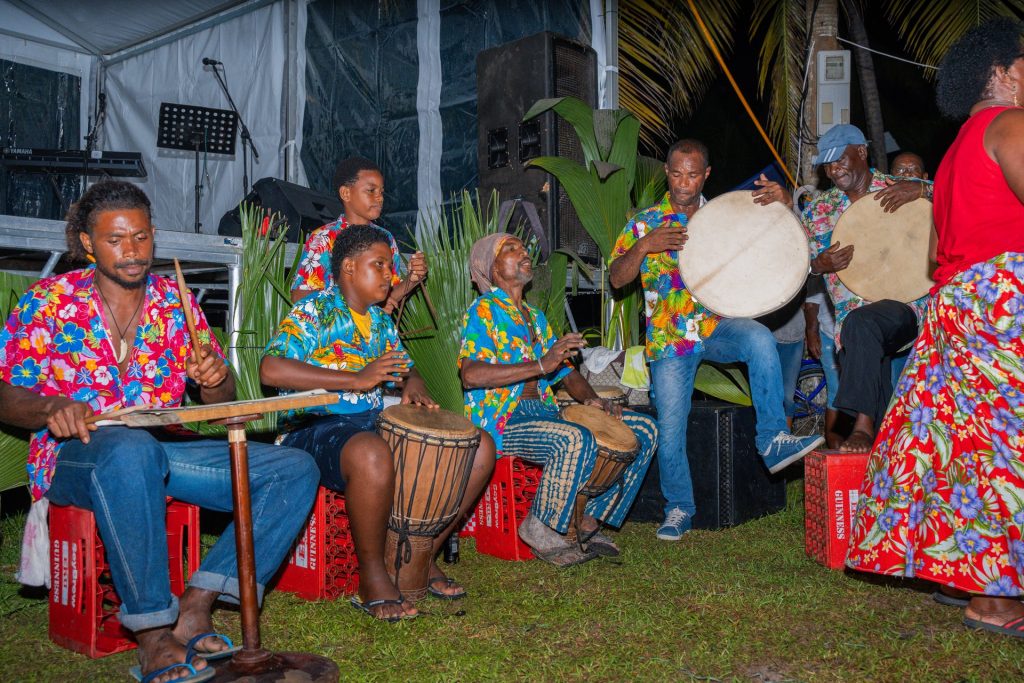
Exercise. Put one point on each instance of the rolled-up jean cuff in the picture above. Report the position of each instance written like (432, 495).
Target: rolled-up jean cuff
(227, 586)
(148, 620)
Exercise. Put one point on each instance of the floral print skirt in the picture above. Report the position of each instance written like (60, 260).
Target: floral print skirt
(943, 497)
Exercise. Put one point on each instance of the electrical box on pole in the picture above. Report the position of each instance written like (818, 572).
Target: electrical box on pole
(834, 68)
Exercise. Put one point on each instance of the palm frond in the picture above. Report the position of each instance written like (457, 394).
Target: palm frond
(433, 343)
(780, 26)
(930, 28)
(665, 64)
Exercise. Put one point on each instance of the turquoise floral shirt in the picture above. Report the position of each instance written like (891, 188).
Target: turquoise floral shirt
(320, 331)
(494, 330)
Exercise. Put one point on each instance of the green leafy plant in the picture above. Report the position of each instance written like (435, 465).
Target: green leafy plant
(433, 338)
(601, 191)
(263, 299)
(13, 442)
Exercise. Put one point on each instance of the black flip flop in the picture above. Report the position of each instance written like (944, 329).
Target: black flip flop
(367, 607)
(949, 600)
(1013, 628)
(441, 594)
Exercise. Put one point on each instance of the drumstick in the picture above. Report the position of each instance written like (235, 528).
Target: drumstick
(187, 307)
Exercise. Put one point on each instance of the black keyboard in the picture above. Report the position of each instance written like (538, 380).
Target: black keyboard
(73, 162)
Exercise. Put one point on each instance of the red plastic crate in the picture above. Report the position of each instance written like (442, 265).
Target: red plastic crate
(323, 564)
(832, 482)
(83, 602)
(504, 504)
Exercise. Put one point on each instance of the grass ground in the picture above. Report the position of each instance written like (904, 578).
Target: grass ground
(736, 604)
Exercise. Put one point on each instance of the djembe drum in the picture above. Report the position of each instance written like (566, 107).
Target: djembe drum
(743, 260)
(612, 393)
(617, 447)
(433, 451)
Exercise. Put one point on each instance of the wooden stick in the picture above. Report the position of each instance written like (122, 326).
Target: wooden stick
(151, 416)
(187, 308)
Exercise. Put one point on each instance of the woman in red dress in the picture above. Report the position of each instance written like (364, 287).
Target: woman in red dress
(943, 498)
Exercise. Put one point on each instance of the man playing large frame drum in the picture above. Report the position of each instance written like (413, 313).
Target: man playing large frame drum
(110, 336)
(339, 339)
(867, 334)
(509, 361)
(681, 333)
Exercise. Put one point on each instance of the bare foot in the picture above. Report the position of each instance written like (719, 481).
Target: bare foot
(380, 587)
(858, 442)
(1006, 615)
(159, 648)
(440, 582)
(194, 609)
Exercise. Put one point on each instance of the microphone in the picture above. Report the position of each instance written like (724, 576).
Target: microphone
(210, 62)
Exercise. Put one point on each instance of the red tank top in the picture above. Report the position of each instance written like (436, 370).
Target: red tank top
(977, 215)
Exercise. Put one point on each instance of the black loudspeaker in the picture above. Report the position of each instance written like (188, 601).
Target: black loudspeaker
(303, 209)
(510, 79)
(731, 484)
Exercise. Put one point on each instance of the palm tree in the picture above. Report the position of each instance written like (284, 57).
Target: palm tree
(665, 64)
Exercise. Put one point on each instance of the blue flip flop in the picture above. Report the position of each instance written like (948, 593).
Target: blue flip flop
(195, 677)
(191, 650)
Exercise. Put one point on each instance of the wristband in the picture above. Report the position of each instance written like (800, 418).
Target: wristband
(541, 366)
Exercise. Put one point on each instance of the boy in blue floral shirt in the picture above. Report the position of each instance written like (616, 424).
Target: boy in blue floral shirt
(340, 339)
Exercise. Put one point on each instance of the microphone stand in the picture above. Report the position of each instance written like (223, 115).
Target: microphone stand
(90, 138)
(246, 138)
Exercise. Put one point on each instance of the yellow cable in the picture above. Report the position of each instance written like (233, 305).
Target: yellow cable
(739, 94)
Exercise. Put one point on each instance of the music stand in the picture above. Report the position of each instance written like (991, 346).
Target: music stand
(191, 128)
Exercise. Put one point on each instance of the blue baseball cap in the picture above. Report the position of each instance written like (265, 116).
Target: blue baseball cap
(833, 143)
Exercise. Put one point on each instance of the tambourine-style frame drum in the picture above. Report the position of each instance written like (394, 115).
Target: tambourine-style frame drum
(612, 393)
(743, 260)
(433, 451)
(890, 250)
(617, 447)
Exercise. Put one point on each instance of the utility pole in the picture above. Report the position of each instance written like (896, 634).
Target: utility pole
(823, 20)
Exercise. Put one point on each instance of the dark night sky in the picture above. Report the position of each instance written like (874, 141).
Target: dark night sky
(737, 151)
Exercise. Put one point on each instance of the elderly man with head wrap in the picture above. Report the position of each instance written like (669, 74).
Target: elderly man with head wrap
(509, 362)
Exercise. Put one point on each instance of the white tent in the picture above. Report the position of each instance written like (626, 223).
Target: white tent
(145, 52)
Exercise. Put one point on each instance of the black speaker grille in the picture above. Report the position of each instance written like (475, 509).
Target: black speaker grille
(571, 79)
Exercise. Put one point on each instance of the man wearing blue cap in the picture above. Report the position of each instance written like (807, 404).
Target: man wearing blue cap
(867, 334)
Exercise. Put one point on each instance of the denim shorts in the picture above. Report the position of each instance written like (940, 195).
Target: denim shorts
(324, 437)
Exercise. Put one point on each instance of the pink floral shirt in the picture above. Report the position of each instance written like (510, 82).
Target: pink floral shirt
(314, 271)
(56, 343)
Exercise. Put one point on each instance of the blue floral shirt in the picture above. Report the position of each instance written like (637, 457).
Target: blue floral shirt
(495, 331)
(320, 331)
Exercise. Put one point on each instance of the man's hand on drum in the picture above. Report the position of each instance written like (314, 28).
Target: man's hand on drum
(416, 393)
(898, 193)
(610, 407)
(393, 366)
(770, 191)
(664, 238)
(562, 349)
(833, 259)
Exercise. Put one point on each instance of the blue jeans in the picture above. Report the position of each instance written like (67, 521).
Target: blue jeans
(123, 475)
(735, 339)
(790, 356)
(830, 366)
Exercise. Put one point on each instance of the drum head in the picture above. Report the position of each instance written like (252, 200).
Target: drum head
(608, 431)
(612, 393)
(890, 255)
(430, 421)
(743, 260)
